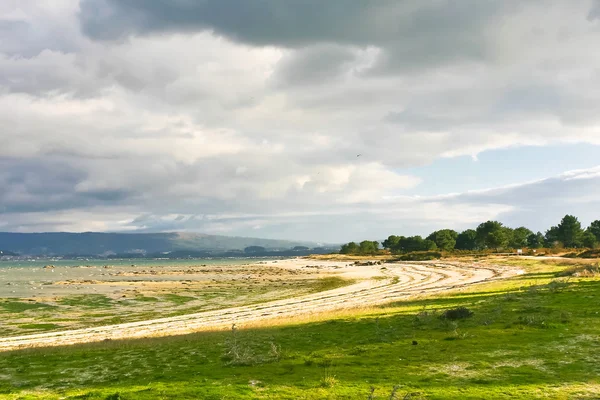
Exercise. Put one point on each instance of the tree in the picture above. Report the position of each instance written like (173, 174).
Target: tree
(496, 239)
(493, 235)
(570, 232)
(301, 248)
(367, 247)
(349, 248)
(552, 237)
(391, 242)
(519, 237)
(589, 240)
(414, 243)
(444, 239)
(467, 240)
(595, 229)
(535, 240)
(508, 236)
(428, 245)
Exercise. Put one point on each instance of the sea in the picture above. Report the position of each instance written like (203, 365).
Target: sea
(146, 262)
(35, 278)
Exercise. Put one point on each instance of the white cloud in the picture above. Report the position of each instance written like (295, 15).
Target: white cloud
(203, 117)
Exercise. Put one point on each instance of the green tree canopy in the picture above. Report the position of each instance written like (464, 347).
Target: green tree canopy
(588, 239)
(444, 239)
(467, 240)
(365, 248)
(595, 229)
(391, 242)
(536, 240)
(497, 239)
(493, 235)
(519, 237)
(414, 243)
(552, 237)
(570, 232)
(349, 248)
(368, 247)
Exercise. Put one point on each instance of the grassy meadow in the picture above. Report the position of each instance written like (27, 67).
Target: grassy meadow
(533, 336)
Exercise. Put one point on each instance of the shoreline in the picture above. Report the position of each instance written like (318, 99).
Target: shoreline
(375, 285)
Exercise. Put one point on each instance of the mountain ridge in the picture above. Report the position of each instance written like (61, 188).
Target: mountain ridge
(107, 243)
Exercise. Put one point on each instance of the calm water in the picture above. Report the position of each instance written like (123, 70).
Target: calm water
(29, 279)
(150, 262)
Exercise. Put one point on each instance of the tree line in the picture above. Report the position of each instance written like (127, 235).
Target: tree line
(489, 235)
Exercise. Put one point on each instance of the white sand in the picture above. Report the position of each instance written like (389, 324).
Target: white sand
(401, 281)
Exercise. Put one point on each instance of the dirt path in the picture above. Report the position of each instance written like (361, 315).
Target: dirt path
(400, 281)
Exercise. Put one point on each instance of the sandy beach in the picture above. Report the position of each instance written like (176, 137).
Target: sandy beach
(375, 284)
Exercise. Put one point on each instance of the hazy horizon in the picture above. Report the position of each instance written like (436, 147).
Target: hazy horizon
(313, 121)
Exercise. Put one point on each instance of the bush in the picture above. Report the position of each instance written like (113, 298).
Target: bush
(421, 256)
(457, 313)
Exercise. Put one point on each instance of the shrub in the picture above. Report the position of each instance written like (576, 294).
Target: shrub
(421, 256)
(309, 362)
(457, 313)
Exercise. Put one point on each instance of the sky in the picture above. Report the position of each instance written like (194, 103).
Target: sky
(312, 120)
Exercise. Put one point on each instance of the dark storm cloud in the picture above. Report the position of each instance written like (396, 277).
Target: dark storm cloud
(314, 65)
(35, 186)
(412, 33)
(263, 22)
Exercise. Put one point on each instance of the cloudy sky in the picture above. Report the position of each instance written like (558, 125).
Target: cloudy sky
(242, 117)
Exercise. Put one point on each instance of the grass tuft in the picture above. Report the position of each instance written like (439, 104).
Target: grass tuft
(328, 380)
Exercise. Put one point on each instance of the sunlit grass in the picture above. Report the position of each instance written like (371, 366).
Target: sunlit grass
(532, 336)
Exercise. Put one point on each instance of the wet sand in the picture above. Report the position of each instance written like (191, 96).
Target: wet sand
(378, 285)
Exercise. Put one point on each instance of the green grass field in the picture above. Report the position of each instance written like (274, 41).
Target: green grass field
(533, 336)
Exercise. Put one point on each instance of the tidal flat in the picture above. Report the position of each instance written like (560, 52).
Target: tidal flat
(35, 298)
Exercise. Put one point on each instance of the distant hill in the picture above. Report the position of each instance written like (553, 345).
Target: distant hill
(91, 243)
(6, 253)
